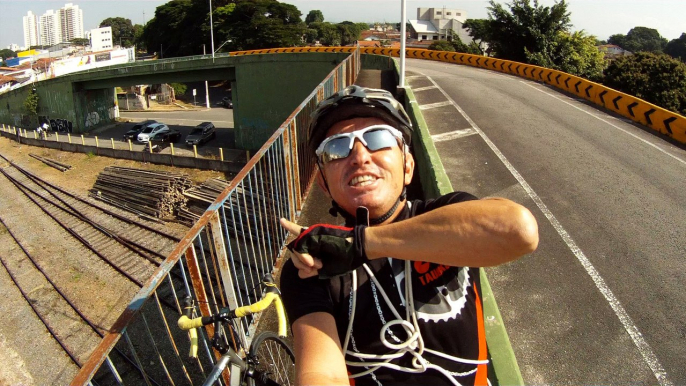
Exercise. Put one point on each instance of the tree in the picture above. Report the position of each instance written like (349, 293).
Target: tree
(525, 27)
(350, 32)
(80, 42)
(256, 24)
(479, 30)
(7, 53)
(677, 48)
(459, 46)
(442, 45)
(314, 16)
(327, 33)
(640, 39)
(122, 30)
(574, 53)
(656, 78)
(31, 104)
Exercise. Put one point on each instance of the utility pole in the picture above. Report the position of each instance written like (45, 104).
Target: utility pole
(403, 37)
(207, 90)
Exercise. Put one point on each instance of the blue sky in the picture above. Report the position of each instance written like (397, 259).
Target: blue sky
(601, 18)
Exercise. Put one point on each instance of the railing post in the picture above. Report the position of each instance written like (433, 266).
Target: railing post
(83, 140)
(69, 137)
(195, 151)
(57, 137)
(221, 154)
(130, 145)
(172, 148)
(97, 143)
(112, 139)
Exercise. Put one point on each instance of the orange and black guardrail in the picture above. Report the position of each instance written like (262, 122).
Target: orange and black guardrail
(671, 124)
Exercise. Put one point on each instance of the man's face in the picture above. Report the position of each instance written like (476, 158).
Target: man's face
(373, 179)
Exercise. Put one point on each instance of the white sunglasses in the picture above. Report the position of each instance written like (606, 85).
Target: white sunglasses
(374, 138)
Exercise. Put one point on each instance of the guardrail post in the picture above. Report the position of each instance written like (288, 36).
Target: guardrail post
(83, 140)
(172, 148)
(130, 145)
(69, 137)
(112, 139)
(150, 146)
(57, 137)
(97, 143)
(221, 154)
(195, 151)
(35, 134)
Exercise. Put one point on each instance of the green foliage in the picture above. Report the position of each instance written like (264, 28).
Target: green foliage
(525, 27)
(656, 78)
(311, 35)
(256, 24)
(677, 48)
(640, 39)
(442, 45)
(122, 30)
(314, 16)
(31, 103)
(574, 53)
(90, 155)
(80, 42)
(327, 33)
(7, 53)
(350, 32)
(459, 46)
(179, 88)
(479, 30)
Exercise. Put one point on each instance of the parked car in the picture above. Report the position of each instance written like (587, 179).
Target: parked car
(161, 141)
(152, 130)
(201, 134)
(136, 129)
(226, 102)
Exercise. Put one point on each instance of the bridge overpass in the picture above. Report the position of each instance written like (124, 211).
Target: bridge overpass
(600, 300)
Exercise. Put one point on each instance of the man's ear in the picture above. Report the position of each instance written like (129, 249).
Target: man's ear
(320, 182)
(409, 167)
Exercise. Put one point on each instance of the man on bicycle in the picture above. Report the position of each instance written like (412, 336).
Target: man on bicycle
(398, 301)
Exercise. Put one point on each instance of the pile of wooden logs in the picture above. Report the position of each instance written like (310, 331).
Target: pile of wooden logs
(246, 209)
(51, 162)
(146, 193)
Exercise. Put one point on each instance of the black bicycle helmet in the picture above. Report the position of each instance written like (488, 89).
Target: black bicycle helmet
(358, 102)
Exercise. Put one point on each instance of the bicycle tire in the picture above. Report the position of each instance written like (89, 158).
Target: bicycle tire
(274, 358)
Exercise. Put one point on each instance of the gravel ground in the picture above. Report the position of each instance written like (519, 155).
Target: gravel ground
(28, 353)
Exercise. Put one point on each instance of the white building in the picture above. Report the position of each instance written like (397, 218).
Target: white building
(31, 30)
(50, 28)
(13, 47)
(437, 23)
(71, 18)
(101, 39)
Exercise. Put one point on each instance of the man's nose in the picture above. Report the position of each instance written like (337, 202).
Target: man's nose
(359, 153)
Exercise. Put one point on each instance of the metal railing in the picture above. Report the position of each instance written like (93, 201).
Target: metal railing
(219, 262)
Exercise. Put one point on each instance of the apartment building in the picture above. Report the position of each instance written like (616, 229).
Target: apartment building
(31, 30)
(71, 18)
(53, 27)
(101, 39)
(438, 24)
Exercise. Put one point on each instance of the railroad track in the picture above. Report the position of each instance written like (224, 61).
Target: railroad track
(81, 276)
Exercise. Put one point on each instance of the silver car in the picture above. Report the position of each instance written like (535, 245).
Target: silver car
(151, 130)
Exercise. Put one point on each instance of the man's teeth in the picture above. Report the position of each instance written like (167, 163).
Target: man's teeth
(362, 181)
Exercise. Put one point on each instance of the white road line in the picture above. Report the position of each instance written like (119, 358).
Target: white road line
(453, 135)
(609, 123)
(643, 347)
(424, 88)
(434, 105)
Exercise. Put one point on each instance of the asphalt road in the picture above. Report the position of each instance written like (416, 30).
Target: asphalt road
(601, 301)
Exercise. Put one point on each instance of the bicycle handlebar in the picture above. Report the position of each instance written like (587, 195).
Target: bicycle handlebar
(272, 295)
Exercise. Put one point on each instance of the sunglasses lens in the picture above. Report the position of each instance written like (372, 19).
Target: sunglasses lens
(379, 139)
(336, 149)
(339, 148)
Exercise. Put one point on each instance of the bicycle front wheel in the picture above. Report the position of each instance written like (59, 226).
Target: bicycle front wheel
(273, 358)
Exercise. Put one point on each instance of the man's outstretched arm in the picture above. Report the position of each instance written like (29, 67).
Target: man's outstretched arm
(318, 356)
(479, 233)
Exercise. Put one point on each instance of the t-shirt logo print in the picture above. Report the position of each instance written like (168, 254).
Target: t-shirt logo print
(440, 302)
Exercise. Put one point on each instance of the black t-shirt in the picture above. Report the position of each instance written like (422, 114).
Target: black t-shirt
(447, 302)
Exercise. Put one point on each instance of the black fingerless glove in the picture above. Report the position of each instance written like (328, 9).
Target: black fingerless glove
(340, 249)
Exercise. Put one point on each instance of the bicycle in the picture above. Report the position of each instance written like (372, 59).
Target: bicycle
(269, 360)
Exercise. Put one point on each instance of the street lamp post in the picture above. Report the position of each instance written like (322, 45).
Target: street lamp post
(207, 90)
(211, 31)
(403, 38)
